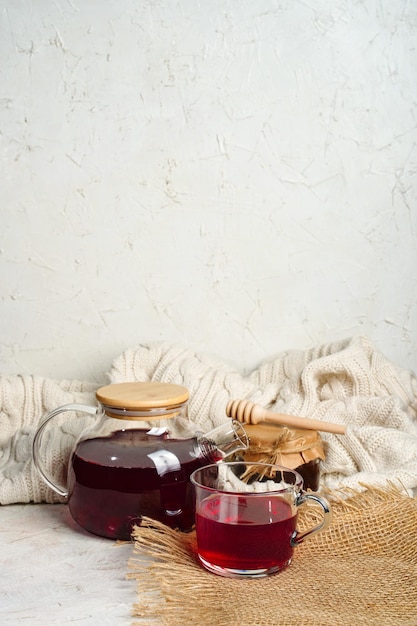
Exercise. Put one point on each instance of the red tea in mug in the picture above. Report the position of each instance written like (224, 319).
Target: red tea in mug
(245, 533)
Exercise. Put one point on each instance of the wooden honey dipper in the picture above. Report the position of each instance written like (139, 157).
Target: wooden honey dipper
(247, 412)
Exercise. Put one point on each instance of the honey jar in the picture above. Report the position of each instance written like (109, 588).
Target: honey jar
(298, 449)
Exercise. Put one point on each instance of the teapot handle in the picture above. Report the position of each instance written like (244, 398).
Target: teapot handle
(37, 442)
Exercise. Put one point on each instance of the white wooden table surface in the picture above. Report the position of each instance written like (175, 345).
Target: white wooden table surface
(52, 572)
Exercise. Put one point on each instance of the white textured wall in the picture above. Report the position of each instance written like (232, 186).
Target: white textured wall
(235, 175)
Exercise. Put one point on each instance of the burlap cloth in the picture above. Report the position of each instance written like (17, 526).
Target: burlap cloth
(362, 570)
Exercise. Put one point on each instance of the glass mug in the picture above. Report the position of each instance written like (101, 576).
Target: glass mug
(246, 517)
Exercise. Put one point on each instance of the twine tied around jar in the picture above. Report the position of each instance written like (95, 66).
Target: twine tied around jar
(288, 447)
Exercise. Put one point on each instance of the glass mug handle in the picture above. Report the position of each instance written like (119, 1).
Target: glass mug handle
(298, 537)
(37, 442)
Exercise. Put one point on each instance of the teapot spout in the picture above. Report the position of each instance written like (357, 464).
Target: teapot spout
(222, 441)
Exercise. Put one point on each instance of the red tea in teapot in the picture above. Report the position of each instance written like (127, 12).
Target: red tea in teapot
(114, 481)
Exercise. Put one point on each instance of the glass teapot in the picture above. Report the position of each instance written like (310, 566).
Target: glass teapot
(137, 458)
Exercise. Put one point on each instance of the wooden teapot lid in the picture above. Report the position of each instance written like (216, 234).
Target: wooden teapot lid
(143, 397)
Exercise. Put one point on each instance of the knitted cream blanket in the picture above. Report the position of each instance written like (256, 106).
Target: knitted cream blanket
(348, 382)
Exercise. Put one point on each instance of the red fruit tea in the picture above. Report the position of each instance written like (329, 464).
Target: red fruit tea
(245, 533)
(113, 481)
